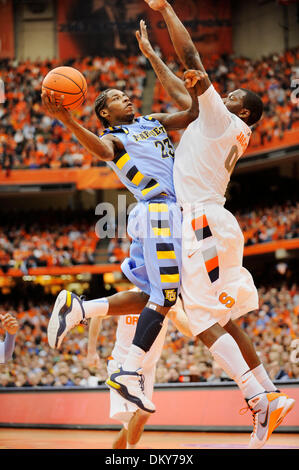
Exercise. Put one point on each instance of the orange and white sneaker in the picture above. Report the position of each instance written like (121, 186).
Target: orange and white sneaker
(289, 405)
(267, 409)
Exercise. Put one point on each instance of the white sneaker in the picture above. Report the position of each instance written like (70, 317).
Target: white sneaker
(130, 385)
(67, 313)
(267, 409)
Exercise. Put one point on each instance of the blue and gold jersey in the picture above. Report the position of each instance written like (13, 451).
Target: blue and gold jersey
(145, 167)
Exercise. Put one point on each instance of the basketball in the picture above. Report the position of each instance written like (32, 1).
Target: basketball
(68, 82)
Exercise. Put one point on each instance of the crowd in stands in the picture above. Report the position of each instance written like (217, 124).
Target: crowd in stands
(272, 328)
(67, 238)
(37, 238)
(31, 139)
(272, 78)
(280, 222)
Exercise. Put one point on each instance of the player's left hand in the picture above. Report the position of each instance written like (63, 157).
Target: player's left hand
(10, 324)
(191, 77)
(143, 41)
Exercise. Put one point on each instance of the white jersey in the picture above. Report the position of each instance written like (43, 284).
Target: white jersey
(124, 336)
(208, 151)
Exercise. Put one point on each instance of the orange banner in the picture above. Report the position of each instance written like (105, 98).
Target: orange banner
(6, 30)
(194, 407)
(92, 178)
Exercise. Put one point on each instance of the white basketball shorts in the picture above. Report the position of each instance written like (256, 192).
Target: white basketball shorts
(215, 285)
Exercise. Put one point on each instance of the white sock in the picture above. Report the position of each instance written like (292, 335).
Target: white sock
(96, 307)
(263, 378)
(134, 358)
(226, 352)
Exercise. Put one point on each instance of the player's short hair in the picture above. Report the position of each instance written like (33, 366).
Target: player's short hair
(254, 104)
(99, 104)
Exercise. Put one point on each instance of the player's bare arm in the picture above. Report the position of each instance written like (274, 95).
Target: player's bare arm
(180, 38)
(182, 119)
(104, 149)
(171, 83)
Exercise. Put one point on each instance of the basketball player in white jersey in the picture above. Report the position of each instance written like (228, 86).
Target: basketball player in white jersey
(216, 288)
(132, 418)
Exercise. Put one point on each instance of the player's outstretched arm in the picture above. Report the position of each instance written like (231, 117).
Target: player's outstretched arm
(182, 119)
(180, 37)
(173, 85)
(92, 359)
(105, 149)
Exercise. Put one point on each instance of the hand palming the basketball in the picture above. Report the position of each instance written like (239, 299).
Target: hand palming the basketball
(55, 110)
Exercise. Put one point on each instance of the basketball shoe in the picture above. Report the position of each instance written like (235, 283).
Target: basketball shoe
(289, 405)
(67, 312)
(267, 409)
(130, 385)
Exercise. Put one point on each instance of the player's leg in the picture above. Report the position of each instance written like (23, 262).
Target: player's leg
(257, 368)
(120, 441)
(136, 427)
(162, 255)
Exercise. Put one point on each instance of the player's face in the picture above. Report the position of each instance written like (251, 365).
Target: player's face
(118, 109)
(234, 101)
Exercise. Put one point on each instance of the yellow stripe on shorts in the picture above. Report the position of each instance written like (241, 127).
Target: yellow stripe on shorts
(161, 232)
(170, 277)
(166, 255)
(156, 207)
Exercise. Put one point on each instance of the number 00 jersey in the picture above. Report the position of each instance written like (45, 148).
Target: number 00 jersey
(208, 152)
(145, 167)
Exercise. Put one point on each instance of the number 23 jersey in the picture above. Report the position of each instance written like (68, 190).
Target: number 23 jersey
(145, 166)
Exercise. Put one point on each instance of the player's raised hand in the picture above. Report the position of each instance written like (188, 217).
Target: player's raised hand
(55, 110)
(143, 40)
(192, 77)
(10, 324)
(157, 5)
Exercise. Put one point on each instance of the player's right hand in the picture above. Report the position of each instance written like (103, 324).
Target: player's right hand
(191, 77)
(55, 110)
(157, 5)
(92, 360)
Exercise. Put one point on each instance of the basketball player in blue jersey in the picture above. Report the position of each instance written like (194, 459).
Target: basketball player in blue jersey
(140, 152)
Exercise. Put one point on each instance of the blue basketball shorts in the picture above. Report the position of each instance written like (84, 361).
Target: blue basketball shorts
(154, 264)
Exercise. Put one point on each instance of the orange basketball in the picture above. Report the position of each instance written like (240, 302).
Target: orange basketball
(69, 82)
